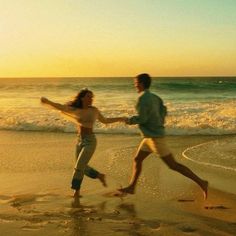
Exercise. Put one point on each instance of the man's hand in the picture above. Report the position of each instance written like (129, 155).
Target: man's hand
(127, 121)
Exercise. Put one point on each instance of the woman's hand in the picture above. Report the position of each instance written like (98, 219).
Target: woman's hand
(44, 100)
(123, 119)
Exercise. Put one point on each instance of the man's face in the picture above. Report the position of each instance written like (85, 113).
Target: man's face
(139, 86)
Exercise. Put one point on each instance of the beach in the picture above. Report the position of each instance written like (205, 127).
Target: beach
(119, 70)
(36, 199)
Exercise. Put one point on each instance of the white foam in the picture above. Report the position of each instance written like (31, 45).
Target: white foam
(217, 154)
(215, 118)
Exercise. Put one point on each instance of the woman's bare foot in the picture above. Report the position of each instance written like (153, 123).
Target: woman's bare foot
(77, 194)
(128, 190)
(102, 178)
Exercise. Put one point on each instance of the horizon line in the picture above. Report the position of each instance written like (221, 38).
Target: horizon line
(156, 76)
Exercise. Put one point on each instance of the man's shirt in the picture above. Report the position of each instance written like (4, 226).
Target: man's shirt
(151, 115)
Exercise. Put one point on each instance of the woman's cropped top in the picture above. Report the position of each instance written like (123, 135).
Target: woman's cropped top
(86, 117)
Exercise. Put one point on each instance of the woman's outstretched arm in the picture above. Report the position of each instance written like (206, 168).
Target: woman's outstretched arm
(57, 106)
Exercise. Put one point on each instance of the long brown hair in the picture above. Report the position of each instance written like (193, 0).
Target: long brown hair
(77, 101)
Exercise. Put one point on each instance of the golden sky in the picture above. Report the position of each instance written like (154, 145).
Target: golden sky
(117, 38)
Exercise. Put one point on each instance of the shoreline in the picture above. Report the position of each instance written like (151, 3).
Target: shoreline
(177, 144)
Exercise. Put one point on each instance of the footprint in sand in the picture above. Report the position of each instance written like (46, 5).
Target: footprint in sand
(30, 228)
(187, 229)
(220, 207)
(4, 197)
(154, 225)
(185, 200)
(15, 204)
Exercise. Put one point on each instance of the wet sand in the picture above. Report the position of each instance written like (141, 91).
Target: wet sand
(36, 199)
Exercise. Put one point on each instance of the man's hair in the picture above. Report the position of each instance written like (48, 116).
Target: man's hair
(145, 79)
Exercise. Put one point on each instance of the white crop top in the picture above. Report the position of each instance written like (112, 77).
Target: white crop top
(85, 117)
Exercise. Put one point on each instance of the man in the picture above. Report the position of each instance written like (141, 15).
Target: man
(150, 118)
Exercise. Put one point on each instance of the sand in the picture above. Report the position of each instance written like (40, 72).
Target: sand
(36, 199)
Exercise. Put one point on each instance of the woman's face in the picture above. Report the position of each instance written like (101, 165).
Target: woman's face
(87, 100)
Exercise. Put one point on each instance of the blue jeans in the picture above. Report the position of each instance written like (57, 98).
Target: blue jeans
(84, 150)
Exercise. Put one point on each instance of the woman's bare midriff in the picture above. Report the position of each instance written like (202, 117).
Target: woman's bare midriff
(85, 131)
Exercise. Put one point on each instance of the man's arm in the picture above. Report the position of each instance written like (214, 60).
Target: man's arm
(142, 110)
(106, 120)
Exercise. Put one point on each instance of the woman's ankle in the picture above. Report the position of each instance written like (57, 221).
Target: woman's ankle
(77, 193)
(102, 178)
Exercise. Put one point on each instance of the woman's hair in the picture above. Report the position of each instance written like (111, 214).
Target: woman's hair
(77, 101)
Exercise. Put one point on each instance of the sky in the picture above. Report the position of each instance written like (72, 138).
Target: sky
(79, 38)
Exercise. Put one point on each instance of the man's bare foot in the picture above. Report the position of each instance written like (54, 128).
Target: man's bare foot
(102, 178)
(77, 194)
(204, 187)
(128, 190)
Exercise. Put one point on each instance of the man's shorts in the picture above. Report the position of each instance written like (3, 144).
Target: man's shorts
(157, 145)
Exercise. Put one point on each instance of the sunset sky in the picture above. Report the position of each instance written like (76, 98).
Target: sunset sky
(117, 38)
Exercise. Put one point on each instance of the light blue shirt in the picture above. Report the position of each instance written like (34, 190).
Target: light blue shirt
(151, 115)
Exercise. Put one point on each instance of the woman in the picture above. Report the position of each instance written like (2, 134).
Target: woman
(84, 114)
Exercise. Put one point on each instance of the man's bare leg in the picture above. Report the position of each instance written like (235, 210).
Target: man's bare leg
(137, 168)
(174, 165)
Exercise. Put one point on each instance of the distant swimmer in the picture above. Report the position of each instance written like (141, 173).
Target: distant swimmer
(150, 117)
(81, 111)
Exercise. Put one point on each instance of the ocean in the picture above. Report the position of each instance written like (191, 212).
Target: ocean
(37, 147)
(196, 106)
